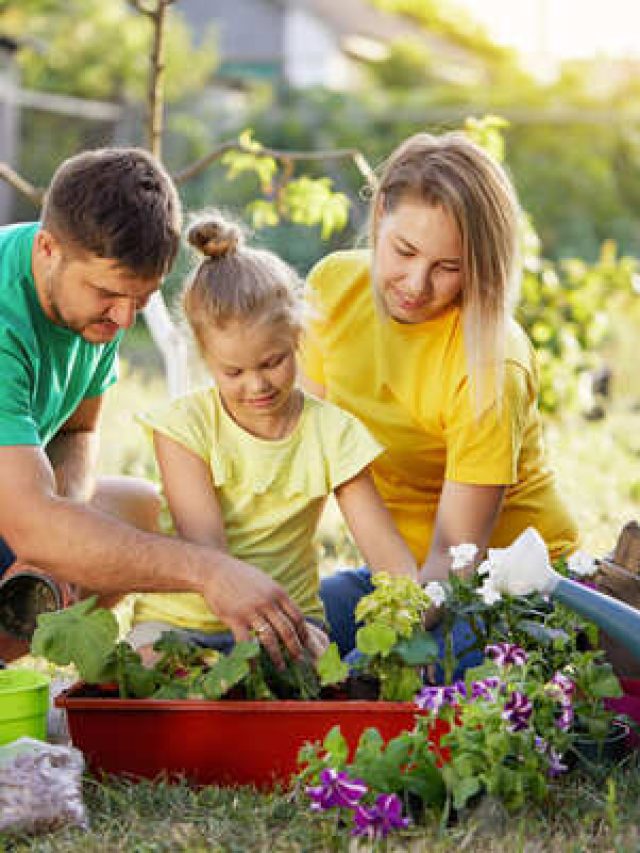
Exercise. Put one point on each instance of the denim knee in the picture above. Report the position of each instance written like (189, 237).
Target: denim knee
(340, 594)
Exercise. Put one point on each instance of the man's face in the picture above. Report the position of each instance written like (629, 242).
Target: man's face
(92, 296)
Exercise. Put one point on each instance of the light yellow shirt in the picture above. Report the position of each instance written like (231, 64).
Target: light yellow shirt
(409, 385)
(271, 493)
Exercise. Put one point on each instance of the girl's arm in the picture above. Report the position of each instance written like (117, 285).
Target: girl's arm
(466, 513)
(190, 493)
(373, 528)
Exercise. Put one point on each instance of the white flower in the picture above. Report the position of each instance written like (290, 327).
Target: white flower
(488, 593)
(484, 568)
(582, 564)
(523, 567)
(462, 555)
(436, 593)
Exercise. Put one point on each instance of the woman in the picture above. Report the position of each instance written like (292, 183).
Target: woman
(416, 338)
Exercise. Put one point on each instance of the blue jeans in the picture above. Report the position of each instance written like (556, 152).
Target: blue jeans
(7, 557)
(342, 591)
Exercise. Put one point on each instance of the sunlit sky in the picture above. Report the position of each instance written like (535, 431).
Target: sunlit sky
(562, 29)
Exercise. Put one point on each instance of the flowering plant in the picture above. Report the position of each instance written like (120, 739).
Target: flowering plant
(511, 726)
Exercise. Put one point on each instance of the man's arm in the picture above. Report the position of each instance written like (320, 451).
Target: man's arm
(77, 543)
(73, 452)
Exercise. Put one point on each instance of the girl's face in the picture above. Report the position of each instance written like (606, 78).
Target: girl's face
(418, 261)
(254, 367)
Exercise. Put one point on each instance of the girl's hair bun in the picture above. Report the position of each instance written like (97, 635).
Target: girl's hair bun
(214, 237)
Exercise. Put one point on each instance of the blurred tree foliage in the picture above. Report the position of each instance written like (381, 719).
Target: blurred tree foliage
(100, 49)
(578, 178)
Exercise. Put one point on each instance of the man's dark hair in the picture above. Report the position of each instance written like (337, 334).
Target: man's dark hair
(116, 203)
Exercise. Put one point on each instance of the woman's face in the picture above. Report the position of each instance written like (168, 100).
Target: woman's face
(418, 261)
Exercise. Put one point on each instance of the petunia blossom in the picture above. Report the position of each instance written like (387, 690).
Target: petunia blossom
(517, 711)
(433, 698)
(565, 718)
(462, 555)
(505, 654)
(562, 687)
(436, 593)
(582, 564)
(336, 790)
(381, 818)
(556, 767)
(486, 688)
(488, 593)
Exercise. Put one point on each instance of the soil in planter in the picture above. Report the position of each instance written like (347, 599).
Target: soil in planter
(359, 686)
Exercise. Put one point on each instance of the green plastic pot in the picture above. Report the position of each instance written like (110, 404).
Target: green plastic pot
(24, 703)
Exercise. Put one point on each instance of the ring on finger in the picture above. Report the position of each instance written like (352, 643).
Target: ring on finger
(262, 627)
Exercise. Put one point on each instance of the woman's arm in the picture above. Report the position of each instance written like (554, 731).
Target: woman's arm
(190, 493)
(466, 513)
(373, 528)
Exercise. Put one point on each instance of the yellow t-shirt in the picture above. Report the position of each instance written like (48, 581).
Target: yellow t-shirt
(409, 385)
(271, 493)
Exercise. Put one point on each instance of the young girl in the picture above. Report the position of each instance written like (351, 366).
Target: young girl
(248, 463)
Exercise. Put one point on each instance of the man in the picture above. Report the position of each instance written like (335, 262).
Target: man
(69, 287)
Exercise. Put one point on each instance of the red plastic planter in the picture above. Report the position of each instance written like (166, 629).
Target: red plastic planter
(224, 743)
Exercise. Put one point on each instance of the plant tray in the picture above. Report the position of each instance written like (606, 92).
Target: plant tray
(224, 743)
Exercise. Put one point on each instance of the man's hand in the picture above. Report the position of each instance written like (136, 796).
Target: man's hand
(248, 601)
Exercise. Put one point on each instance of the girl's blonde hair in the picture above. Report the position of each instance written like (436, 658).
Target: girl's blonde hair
(234, 282)
(455, 173)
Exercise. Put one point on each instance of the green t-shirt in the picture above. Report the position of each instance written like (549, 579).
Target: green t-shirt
(46, 371)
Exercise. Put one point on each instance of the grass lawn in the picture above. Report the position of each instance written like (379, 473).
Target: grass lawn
(598, 467)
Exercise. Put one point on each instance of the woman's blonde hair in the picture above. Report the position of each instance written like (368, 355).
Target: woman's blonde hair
(453, 172)
(234, 282)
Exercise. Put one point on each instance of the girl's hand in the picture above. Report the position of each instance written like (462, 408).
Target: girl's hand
(317, 642)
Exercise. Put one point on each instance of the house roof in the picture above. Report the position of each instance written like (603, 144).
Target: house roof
(359, 17)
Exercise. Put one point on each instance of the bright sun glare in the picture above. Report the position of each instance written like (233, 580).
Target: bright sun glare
(562, 29)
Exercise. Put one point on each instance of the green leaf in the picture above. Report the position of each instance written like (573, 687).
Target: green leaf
(399, 684)
(263, 213)
(141, 682)
(172, 690)
(336, 747)
(82, 635)
(331, 667)
(418, 650)
(464, 789)
(229, 670)
(376, 639)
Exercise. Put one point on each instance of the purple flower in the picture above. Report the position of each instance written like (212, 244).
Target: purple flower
(564, 685)
(506, 653)
(565, 720)
(517, 710)
(540, 744)
(379, 820)
(556, 767)
(433, 698)
(336, 790)
(484, 689)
